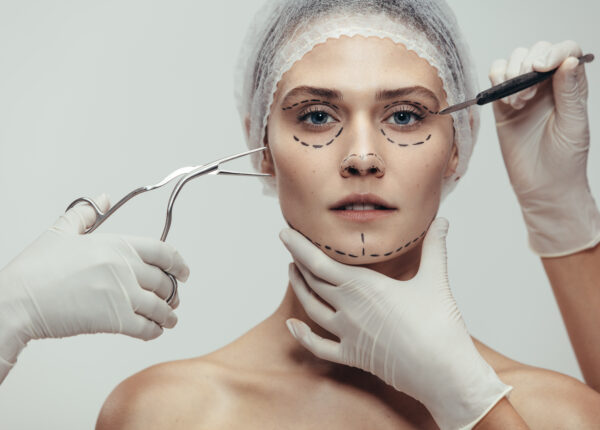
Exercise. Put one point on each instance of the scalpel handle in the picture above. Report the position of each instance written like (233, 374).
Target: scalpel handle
(512, 86)
(519, 83)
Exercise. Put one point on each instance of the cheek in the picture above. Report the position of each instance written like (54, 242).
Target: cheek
(421, 169)
(299, 172)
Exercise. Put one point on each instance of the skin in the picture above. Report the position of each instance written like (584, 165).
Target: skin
(574, 279)
(266, 379)
(301, 172)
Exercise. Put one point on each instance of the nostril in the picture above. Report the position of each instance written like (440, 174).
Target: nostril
(362, 165)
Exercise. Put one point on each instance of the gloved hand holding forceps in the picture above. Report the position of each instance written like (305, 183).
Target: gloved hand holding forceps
(68, 282)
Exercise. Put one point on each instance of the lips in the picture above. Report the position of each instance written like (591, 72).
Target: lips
(362, 202)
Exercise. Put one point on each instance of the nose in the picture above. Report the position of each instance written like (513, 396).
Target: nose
(362, 165)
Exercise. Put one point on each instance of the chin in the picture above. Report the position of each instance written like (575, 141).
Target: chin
(360, 248)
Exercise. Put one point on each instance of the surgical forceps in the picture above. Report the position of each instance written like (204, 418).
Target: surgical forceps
(185, 174)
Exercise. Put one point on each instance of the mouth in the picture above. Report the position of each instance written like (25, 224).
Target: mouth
(362, 207)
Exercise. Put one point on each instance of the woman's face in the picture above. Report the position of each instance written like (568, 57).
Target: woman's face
(358, 158)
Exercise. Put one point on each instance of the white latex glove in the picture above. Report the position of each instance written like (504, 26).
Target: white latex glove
(66, 283)
(409, 334)
(544, 136)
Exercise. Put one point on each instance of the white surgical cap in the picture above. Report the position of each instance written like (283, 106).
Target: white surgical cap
(283, 31)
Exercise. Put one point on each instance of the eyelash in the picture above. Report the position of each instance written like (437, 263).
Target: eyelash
(410, 109)
(305, 113)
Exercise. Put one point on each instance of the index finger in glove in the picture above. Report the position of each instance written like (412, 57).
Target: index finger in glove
(498, 71)
(325, 349)
(82, 216)
(513, 70)
(148, 305)
(313, 258)
(161, 255)
(153, 279)
(141, 328)
(323, 289)
(537, 51)
(557, 55)
(317, 311)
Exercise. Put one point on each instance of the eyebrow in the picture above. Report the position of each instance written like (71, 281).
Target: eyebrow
(325, 93)
(385, 95)
(382, 95)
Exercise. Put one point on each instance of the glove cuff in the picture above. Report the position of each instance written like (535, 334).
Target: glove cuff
(500, 396)
(12, 339)
(11, 344)
(558, 228)
(5, 367)
(480, 390)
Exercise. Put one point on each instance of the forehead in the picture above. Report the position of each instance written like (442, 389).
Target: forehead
(361, 65)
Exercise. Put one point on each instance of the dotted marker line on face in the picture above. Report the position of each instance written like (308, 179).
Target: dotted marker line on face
(324, 102)
(404, 144)
(297, 139)
(362, 157)
(362, 238)
(422, 106)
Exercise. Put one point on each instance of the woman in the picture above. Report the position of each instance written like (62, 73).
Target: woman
(345, 95)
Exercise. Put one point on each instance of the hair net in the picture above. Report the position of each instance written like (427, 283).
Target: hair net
(283, 31)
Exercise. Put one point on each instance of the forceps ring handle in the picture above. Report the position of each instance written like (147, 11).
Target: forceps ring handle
(174, 290)
(99, 216)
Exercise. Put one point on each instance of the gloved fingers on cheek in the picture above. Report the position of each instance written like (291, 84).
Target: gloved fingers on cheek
(141, 328)
(313, 258)
(161, 255)
(318, 311)
(148, 305)
(325, 349)
(151, 278)
(557, 54)
(324, 290)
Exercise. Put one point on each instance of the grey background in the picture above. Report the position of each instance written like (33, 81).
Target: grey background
(107, 96)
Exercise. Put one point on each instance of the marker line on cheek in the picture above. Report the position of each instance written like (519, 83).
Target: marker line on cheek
(297, 139)
(404, 144)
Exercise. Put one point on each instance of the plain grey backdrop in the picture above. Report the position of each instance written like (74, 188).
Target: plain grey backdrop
(107, 96)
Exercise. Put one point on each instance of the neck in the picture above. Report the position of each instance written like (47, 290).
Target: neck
(402, 268)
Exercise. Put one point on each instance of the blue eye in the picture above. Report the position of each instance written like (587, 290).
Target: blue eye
(403, 118)
(317, 118)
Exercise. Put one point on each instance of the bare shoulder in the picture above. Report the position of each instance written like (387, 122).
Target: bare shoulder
(544, 398)
(172, 395)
